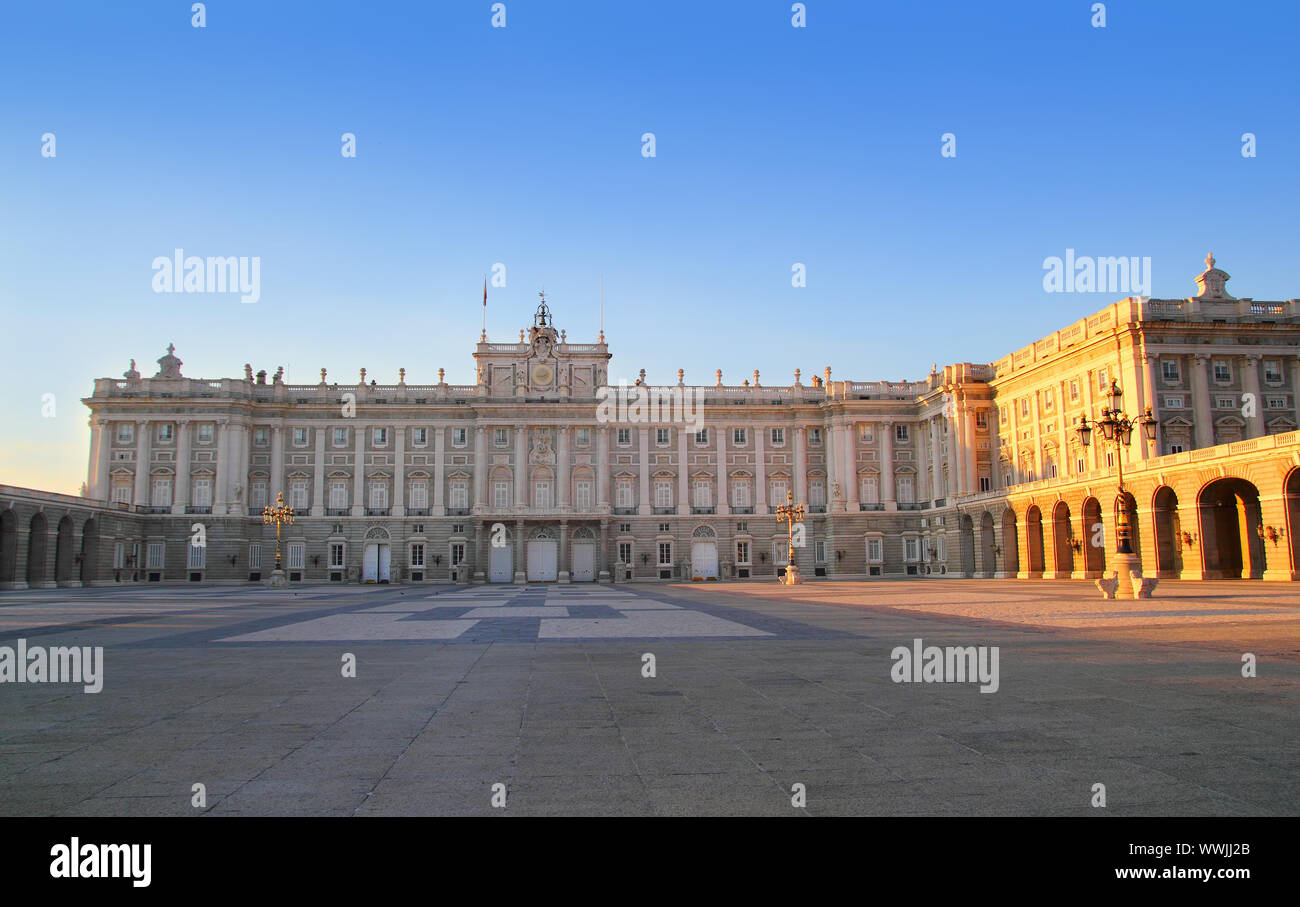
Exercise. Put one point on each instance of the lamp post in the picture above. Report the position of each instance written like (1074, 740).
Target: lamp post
(279, 515)
(1117, 430)
(790, 513)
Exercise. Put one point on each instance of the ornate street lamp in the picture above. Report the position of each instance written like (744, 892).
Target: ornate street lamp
(1117, 429)
(279, 515)
(790, 513)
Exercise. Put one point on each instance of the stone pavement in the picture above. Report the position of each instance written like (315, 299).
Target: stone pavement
(757, 688)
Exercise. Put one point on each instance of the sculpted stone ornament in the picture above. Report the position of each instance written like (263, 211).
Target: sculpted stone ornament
(542, 455)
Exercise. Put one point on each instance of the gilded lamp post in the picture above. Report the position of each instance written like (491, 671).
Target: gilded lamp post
(790, 513)
(279, 515)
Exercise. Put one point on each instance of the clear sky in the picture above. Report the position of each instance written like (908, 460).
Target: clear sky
(523, 145)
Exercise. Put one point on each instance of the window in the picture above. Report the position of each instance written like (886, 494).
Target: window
(664, 527)
(981, 418)
(336, 554)
(814, 436)
(742, 526)
(162, 492)
(624, 527)
(819, 551)
(1103, 380)
(1173, 402)
(298, 494)
(781, 552)
(1024, 407)
(205, 433)
(261, 436)
(125, 432)
(457, 528)
(501, 437)
(1272, 371)
(165, 433)
(203, 492)
(378, 495)
(779, 489)
(817, 493)
(1049, 398)
(875, 551)
(457, 553)
(458, 436)
(299, 437)
(121, 492)
(255, 555)
(1225, 402)
(196, 558)
(740, 492)
(338, 495)
(1169, 370)
(1002, 415)
(742, 552)
(661, 436)
(420, 436)
(417, 555)
(702, 436)
(340, 437)
(703, 496)
(501, 495)
(1175, 447)
(624, 437)
(419, 529)
(1222, 372)
(665, 554)
(663, 494)
(739, 437)
(542, 494)
(154, 556)
(1079, 465)
(1275, 402)
(1074, 391)
(911, 548)
(380, 437)
(869, 491)
(906, 490)
(582, 496)
(1110, 460)
(986, 483)
(623, 496)
(865, 433)
(778, 437)
(296, 551)
(584, 437)
(625, 552)
(419, 495)
(459, 489)
(901, 433)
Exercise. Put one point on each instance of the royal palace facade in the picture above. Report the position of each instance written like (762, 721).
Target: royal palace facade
(530, 474)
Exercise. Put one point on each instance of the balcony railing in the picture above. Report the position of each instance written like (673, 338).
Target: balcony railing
(418, 511)
(704, 510)
(742, 510)
(664, 511)
(197, 508)
(377, 511)
(152, 509)
(336, 511)
(871, 506)
(624, 511)
(816, 508)
(457, 511)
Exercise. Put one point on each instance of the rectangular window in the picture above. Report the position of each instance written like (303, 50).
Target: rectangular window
(336, 554)
(1222, 372)
(1169, 370)
(457, 554)
(661, 436)
(817, 493)
(584, 437)
(869, 492)
(300, 437)
(1225, 402)
(1002, 415)
(380, 437)
(665, 554)
(205, 433)
(419, 495)
(417, 555)
(419, 436)
(257, 494)
(624, 437)
(739, 437)
(501, 437)
(1103, 380)
(1049, 398)
(1275, 402)
(703, 496)
(542, 495)
(1024, 407)
(378, 495)
(154, 556)
(196, 558)
(624, 527)
(781, 552)
(121, 493)
(501, 495)
(742, 552)
(119, 555)
(203, 492)
(1175, 447)
(165, 433)
(906, 490)
(819, 551)
(458, 436)
(459, 495)
(254, 555)
(340, 437)
(866, 433)
(814, 436)
(663, 494)
(338, 495)
(162, 492)
(1272, 371)
(1079, 466)
(778, 437)
(986, 483)
(702, 437)
(981, 418)
(1173, 402)
(582, 496)
(664, 527)
(125, 432)
(740, 493)
(261, 436)
(298, 494)
(625, 552)
(295, 552)
(1074, 391)
(623, 496)
(911, 548)
(901, 433)
(779, 489)
(875, 551)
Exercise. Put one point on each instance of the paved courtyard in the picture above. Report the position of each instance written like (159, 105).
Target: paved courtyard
(756, 688)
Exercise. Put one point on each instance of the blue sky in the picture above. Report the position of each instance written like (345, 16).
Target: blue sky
(522, 145)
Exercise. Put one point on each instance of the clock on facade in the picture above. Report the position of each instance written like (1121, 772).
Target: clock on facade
(543, 374)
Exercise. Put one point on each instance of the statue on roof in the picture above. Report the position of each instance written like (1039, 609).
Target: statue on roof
(169, 366)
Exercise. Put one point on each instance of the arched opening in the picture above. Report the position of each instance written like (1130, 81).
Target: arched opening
(1168, 530)
(1126, 504)
(1231, 547)
(1010, 552)
(1034, 540)
(36, 539)
(1062, 537)
(89, 552)
(967, 545)
(8, 549)
(988, 544)
(1291, 501)
(64, 552)
(1094, 539)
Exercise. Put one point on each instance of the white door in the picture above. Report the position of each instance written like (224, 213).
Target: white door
(501, 569)
(542, 560)
(370, 565)
(385, 560)
(584, 562)
(704, 560)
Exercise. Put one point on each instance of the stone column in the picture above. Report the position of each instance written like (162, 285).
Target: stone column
(971, 453)
(226, 469)
(562, 572)
(520, 553)
(922, 464)
(521, 466)
(1250, 385)
(241, 441)
(643, 480)
(602, 468)
(888, 494)
(359, 472)
(722, 471)
(480, 467)
(141, 463)
(800, 464)
(952, 487)
(399, 470)
(1204, 429)
(834, 471)
(1295, 387)
(439, 480)
(277, 461)
(97, 477)
(683, 475)
(936, 462)
(181, 495)
(318, 474)
(760, 472)
(849, 438)
(562, 467)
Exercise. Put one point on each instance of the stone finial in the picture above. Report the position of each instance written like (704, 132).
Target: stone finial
(642, 377)
(1210, 283)
(680, 375)
(601, 338)
(401, 376)
(279, 375)
(564, 338)
(826, 375)
(441, 373)
(248, 372)
(1209, 261)
(797, 382)
(817, 381)
(521, 335)
(363, 376)
(746, 382)
(718, 375)
(755, 377)
(169, 366)
(131, 374)
(322, 376)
